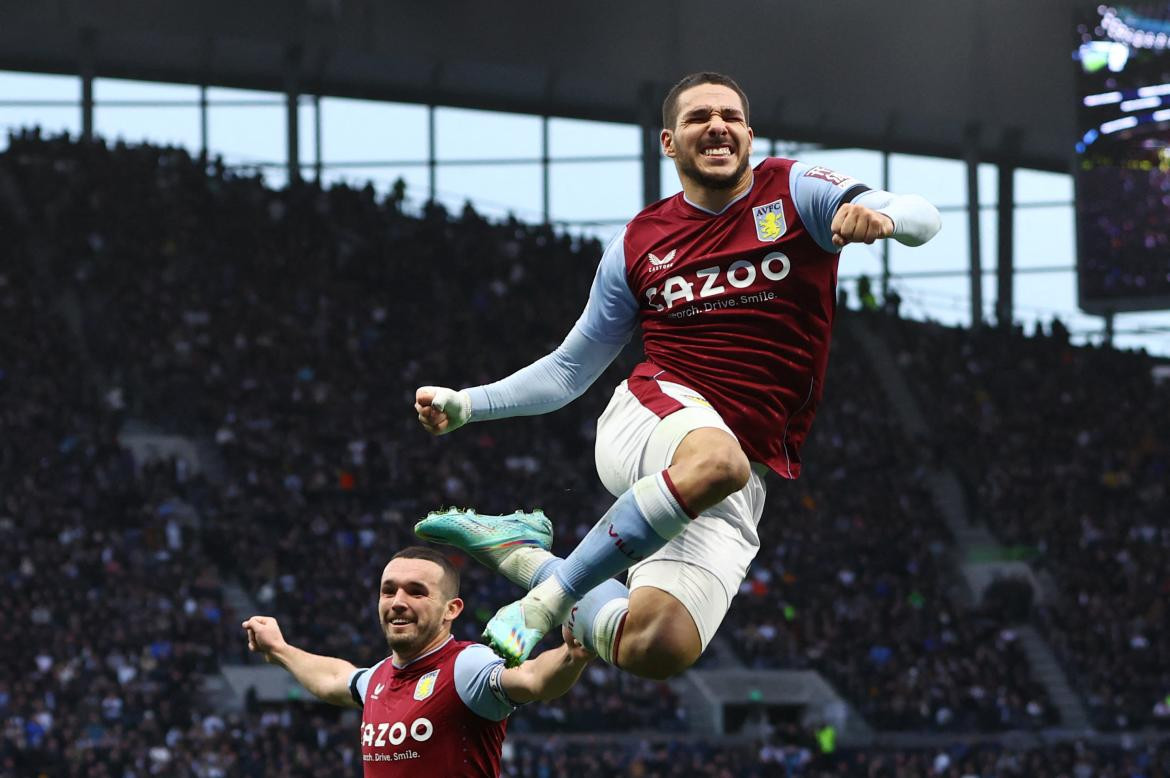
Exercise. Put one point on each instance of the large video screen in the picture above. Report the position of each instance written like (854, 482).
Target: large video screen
(1123, 158)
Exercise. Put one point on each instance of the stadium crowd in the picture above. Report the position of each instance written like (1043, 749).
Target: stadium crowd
(793, 760)
(320, 476)
(1067, 452)
(285, 332)
(852, 579)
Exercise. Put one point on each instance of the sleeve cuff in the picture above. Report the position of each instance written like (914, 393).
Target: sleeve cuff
(496, 684)
(853, 192)
(353, 690)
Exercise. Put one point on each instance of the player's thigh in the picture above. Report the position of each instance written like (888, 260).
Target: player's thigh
(623, 430)
(703, 567)
(685, 431)
(634, 441)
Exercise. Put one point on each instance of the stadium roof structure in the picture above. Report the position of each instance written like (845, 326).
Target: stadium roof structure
(989, 78)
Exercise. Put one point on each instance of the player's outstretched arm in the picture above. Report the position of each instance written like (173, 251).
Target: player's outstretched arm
(546, 385)
(549, 675)
(838, 210)
(326, 677)
(604, 327)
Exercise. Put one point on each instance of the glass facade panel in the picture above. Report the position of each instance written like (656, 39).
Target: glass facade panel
(668, 178)
(366, 141)
(493, 190)
(465, 134)
(574, 138)
(941, 181)
(51, 119)
(988, 184)
(154, 118)
(247, 128)
(1045, 236)
(601, 191)
(365, 130)
(945, 299)
(1038, 186)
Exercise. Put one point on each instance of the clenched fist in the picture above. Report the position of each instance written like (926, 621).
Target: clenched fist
(441, 410)
(264, 636)
(858, 224)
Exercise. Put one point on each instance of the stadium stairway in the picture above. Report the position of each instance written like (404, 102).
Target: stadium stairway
(148, 443)
(944, 484)
(226, 691)
(982, 556)
(237, 599)
(221, 696)
(720, 655)
(1047, 670)
(709, 694)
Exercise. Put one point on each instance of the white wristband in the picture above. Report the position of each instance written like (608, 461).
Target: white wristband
(457, 406)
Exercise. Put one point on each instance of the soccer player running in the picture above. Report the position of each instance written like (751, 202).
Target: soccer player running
(732, 283)
(436, 705)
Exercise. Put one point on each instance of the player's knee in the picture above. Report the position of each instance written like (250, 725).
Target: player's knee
(708, 466)
(724, 470)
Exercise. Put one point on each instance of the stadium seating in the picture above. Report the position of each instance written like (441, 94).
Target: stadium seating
(285, 332)
(1065, 451)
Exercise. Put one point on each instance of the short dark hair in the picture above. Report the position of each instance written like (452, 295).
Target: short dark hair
(450, 572)
(670, 104)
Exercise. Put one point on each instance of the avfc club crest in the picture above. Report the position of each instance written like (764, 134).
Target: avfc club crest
(770, 224)
(426, 685)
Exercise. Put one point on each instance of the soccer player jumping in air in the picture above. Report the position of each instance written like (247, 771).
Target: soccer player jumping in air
(732, 284)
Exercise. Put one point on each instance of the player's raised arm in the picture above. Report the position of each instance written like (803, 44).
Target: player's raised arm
(493, 691)
(327, 678)
(839, 210)
(600, 334)
(910, 219)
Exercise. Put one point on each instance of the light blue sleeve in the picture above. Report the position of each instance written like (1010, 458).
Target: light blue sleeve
(915, 220)
(817, 193)
(477, 680)
(599, 335)
(359, 681)
(611, 314)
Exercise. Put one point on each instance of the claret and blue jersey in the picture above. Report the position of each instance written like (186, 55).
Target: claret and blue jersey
(737, 305)
(444, 713)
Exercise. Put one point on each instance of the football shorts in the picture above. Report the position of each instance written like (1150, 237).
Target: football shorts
(703, 567)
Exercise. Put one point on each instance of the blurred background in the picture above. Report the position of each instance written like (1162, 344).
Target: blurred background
(237, 237)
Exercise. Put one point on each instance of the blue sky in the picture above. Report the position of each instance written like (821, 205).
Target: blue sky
(355, 131)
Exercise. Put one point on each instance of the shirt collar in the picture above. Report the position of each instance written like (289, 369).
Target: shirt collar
(737, 198)
(422, 656)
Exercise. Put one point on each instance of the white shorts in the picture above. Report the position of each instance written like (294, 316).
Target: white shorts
(703, 567)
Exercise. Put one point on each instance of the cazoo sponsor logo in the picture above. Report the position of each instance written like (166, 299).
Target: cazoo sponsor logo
(714, 281)
(387, 734)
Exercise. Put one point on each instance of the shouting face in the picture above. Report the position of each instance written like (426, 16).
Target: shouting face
(711, 142)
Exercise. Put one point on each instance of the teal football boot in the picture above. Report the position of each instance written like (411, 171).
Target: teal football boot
(514, 545)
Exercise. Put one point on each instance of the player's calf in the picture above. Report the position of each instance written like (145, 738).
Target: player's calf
(659, 639)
